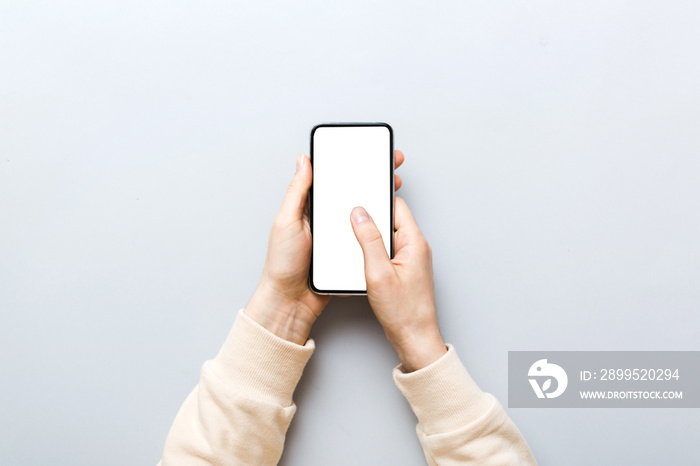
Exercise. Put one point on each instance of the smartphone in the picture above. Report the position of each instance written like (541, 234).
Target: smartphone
(353, 165)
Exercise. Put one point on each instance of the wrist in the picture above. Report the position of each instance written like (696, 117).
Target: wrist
(419, 351)
(284, 317)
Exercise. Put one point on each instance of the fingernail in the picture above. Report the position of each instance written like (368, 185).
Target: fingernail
(359, 215)
(300, 161)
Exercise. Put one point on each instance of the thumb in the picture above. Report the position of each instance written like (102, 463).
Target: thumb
(370, 239)
(295, 200)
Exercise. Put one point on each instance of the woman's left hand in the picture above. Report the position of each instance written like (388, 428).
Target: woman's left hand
(283, 302)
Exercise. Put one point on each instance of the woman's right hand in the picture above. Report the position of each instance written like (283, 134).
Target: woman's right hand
(401, 290)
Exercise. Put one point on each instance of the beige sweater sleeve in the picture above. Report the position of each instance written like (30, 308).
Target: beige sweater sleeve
(457, 422)
(241, 409)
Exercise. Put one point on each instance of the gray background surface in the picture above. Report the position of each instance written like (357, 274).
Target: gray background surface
(552, 161)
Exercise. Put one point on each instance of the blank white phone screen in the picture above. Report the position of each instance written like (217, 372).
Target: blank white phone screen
(352, 166)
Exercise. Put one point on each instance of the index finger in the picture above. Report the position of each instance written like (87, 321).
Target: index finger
(403, 218)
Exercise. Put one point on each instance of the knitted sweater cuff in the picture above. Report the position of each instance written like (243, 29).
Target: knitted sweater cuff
(258, 364)
(443, 395)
